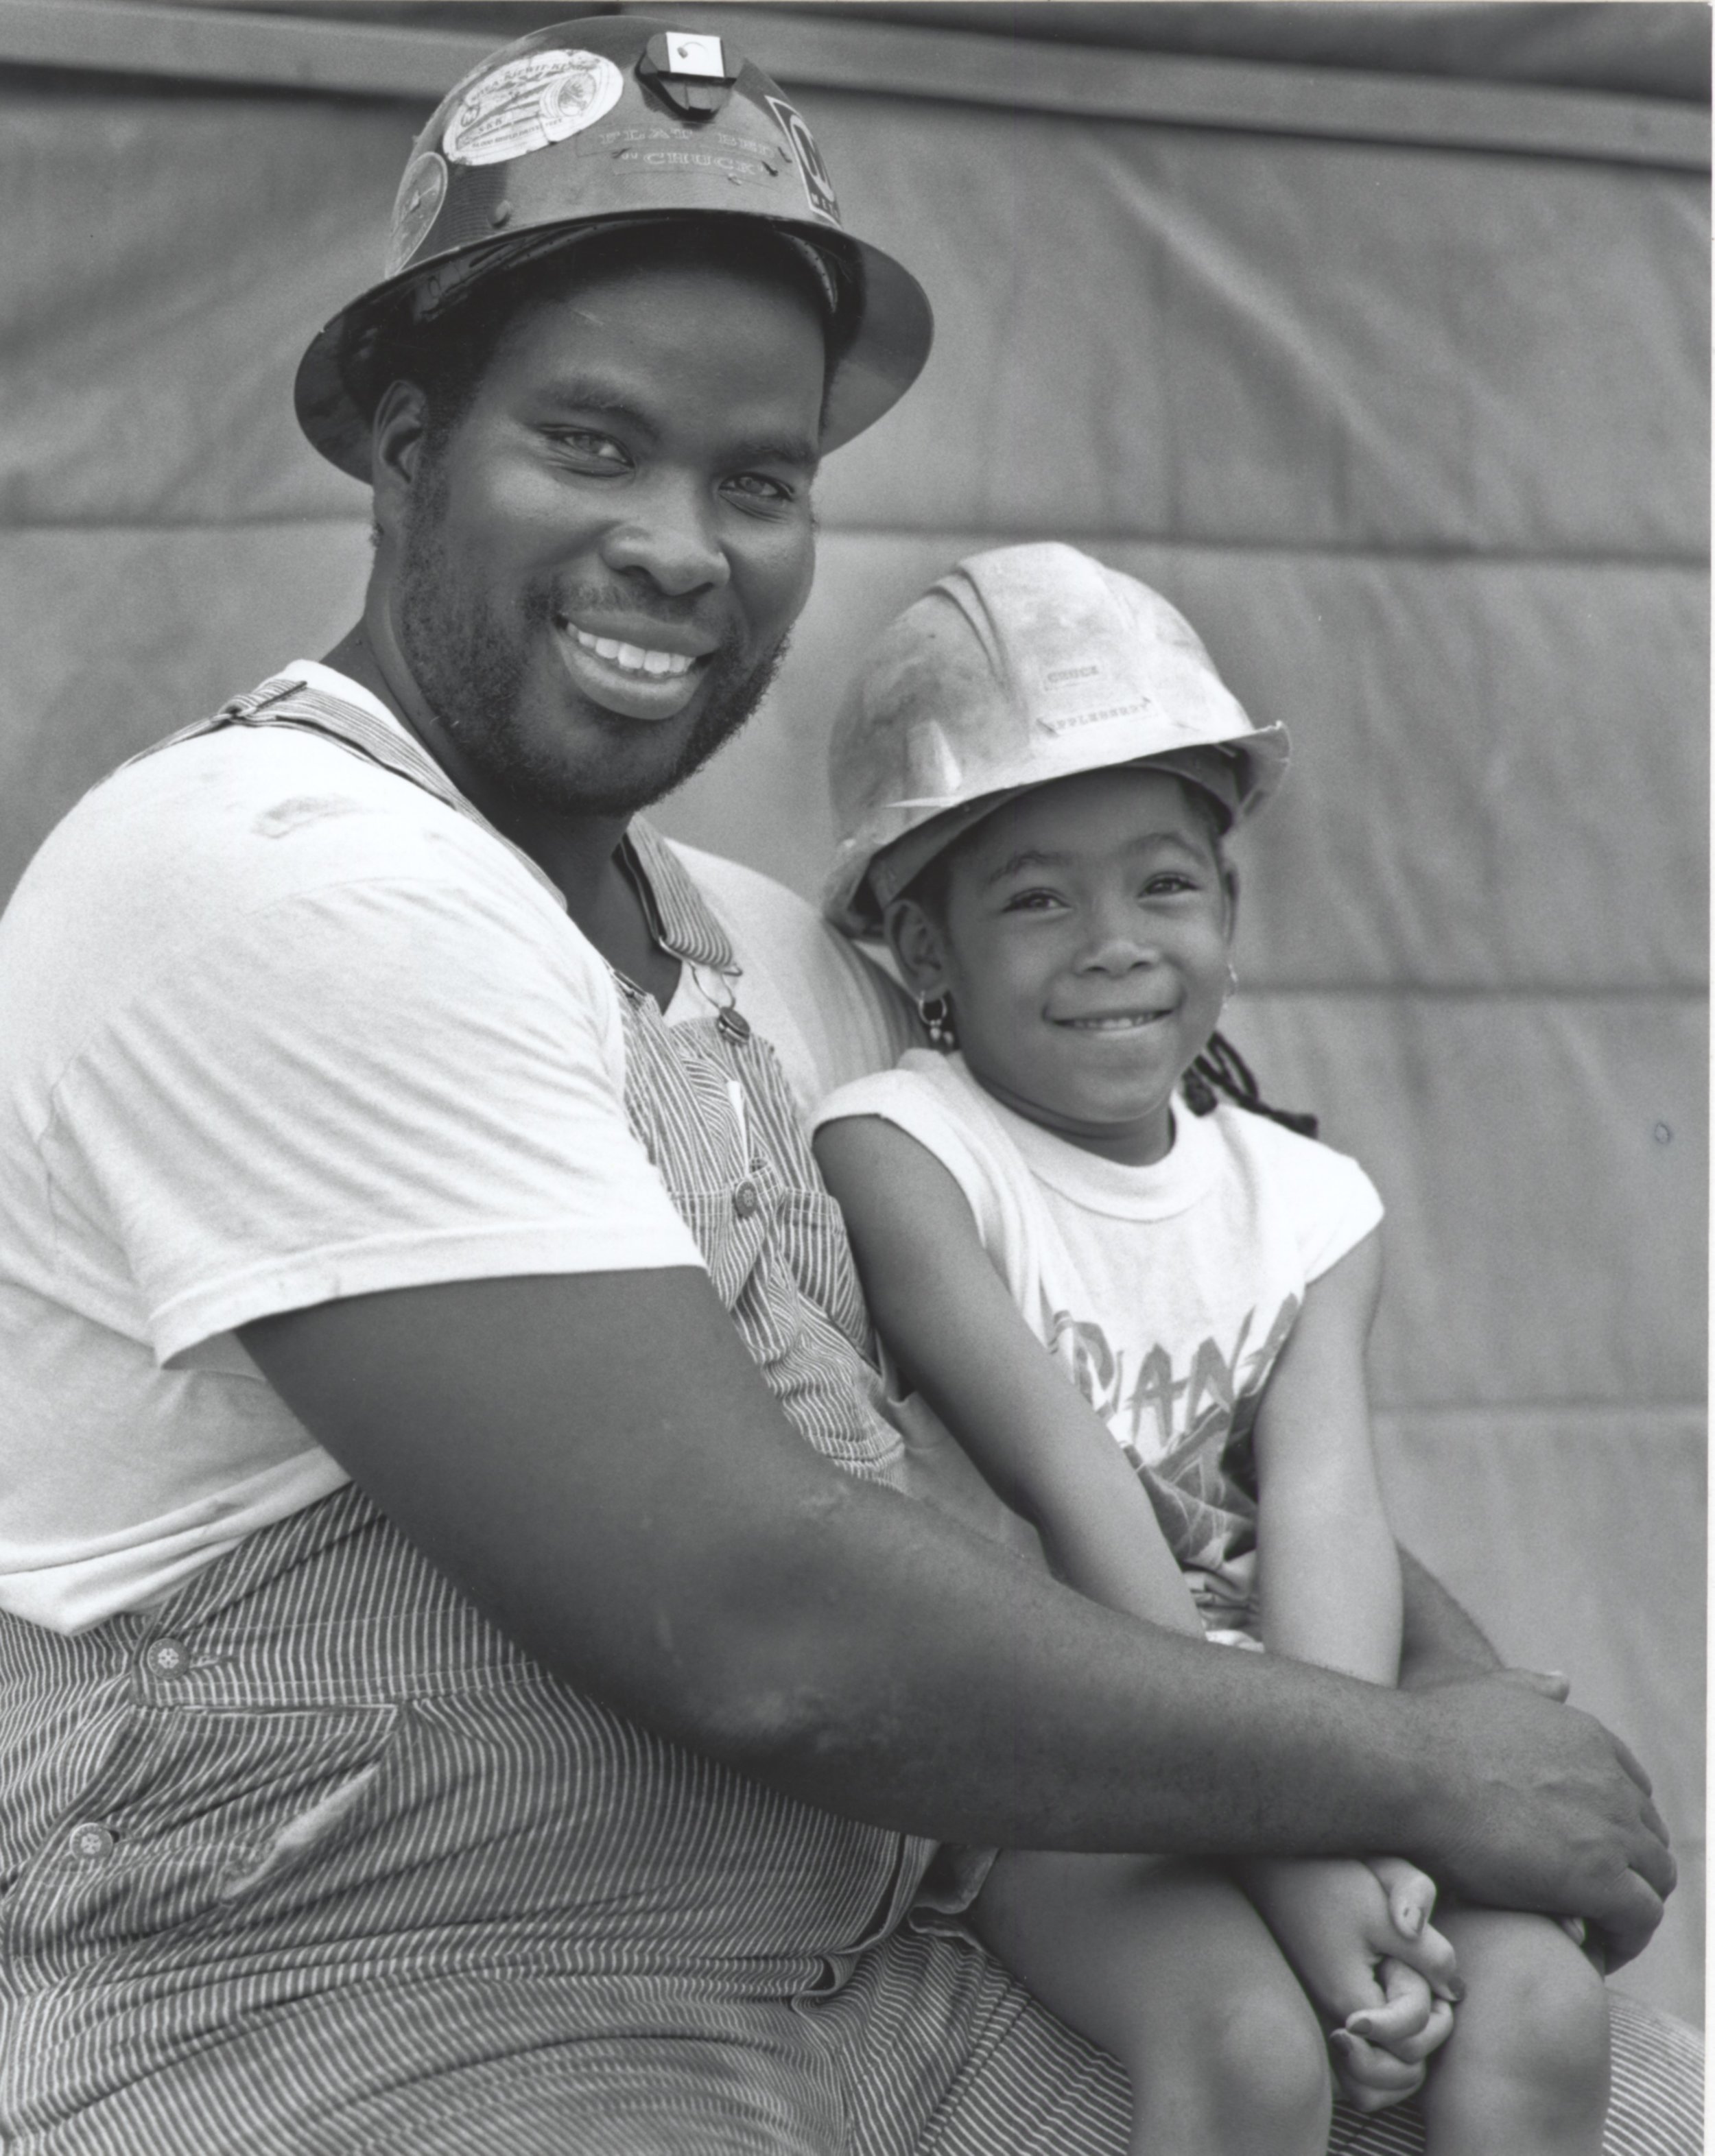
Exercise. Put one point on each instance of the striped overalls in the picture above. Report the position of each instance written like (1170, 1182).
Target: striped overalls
(311, 1860)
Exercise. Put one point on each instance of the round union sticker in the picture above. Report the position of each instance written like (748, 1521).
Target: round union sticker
(422, 192)
(532, 101)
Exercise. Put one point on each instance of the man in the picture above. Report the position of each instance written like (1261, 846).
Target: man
(468, 1681)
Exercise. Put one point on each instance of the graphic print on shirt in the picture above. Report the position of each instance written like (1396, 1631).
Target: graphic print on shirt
(1188, 1435)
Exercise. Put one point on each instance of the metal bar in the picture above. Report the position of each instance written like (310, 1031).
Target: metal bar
(1255, 97)
(197, 44)
(337, 57)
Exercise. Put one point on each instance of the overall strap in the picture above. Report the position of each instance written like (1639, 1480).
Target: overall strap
(284, 700)
(679, 917)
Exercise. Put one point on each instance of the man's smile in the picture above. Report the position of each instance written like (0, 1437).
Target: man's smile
(636, 680)
(633, 658)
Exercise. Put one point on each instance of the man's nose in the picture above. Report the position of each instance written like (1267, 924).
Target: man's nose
(668, 535)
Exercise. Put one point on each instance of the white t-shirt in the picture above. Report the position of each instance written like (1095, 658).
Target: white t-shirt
(825, 1009)
(276, 1027)
(1166, 1292)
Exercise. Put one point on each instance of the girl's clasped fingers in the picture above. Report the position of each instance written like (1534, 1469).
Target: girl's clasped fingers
(1411, 1892)
(1430, 1957)
(1413, 2023)
(1411, 1901)
(1370, 2078)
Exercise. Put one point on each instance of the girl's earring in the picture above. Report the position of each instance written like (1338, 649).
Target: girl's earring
(1232, 978)
(936, 1014)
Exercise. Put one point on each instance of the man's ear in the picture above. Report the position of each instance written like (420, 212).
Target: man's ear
(1230, 884)
(396, 440)
(918, 947)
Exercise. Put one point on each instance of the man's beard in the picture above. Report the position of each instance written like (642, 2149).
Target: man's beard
(473, 676)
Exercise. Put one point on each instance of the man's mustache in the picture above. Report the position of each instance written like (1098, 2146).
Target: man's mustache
(606, 599)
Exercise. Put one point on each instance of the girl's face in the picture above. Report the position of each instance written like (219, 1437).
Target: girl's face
(1084, 945)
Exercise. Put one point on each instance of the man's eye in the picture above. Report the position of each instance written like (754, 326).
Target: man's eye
(1032, 901)
(757, 486)
(1168, 883)
(592, 449)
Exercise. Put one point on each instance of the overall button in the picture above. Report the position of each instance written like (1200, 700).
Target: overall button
(746, 1201)
(166, 1658)
(92, 1841)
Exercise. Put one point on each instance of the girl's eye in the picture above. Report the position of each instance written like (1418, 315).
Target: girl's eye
(1031, 901)
(1168, 883)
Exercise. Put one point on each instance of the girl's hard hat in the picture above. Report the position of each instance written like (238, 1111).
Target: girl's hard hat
(1022, 665)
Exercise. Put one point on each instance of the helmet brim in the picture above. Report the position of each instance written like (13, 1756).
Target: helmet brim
(335, 396)
(853, 904)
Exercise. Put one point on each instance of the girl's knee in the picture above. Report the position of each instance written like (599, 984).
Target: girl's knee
(1559, 2033)
(1269, 2068)
(1537, 2027)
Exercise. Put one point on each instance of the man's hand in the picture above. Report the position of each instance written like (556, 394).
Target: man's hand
(1565, 1824)
(1388, 1987)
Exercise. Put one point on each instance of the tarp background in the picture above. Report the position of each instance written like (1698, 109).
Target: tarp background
(1417, 438)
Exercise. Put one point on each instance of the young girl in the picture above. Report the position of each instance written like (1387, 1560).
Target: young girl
(1036, 774)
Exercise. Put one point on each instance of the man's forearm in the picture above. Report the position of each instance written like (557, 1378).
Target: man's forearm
(922, 1683)
(597, 1463)
(669, 1543)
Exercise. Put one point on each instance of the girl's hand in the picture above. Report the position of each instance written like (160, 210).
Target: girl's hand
(1380, 2053)
(1388, 1989)
(1411, 1893)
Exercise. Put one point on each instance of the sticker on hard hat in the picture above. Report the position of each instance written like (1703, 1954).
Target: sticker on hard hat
(422, 192)
(818, 188)
(695, 56)
(528, 103)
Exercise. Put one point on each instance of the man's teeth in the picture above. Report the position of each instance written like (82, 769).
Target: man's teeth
(632, 656)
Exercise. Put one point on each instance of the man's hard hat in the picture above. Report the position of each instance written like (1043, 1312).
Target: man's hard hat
(1022, 665)
(607, 120)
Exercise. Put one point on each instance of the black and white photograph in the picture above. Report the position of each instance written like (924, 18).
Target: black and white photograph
(854, 1057)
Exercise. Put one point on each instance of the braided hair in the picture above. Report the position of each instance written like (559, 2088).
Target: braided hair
(1220, 1066)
